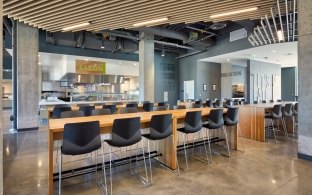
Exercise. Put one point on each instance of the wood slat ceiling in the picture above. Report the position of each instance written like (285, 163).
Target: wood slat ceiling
(54, 15)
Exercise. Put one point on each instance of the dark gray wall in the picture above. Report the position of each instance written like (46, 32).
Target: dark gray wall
(166, 77)
(262, 71)
(188, 68)
(288, 83)
(208, 73)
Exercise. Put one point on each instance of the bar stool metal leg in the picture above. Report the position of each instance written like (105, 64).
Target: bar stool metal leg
(185, 153)
(208, 136)
(110, 169)
(226, 140)
(60, 174)
(241, 136)
(150, 164)
(273, 130)
(103, 168)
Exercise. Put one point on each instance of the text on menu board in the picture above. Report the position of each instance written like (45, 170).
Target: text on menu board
(90, 67)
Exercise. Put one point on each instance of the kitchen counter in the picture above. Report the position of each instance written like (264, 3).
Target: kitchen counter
(60, 102)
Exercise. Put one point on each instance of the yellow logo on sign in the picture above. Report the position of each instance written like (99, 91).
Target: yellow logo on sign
(90, 67)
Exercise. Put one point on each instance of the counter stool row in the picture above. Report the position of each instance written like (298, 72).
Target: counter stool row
(126, 132)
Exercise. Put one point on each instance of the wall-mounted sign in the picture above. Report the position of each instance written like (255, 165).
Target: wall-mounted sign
(90, 67)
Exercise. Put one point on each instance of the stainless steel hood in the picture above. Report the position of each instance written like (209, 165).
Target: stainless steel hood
(73, 78)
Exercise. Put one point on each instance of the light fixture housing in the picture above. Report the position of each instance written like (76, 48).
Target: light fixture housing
(76, 26)
(148, 23)
(280, 35)
(163, 52)
(233, 12)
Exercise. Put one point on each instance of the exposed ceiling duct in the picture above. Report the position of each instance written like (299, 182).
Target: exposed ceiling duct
(164, 32)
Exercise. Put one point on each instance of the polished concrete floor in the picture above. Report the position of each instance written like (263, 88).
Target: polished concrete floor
(264, 168)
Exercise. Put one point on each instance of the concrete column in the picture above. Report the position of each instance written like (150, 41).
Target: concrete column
(305, 81)
(27, 76)
(1, 95)
(147, 72)
(226, 80)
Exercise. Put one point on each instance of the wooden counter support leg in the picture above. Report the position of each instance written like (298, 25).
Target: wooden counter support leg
(51, 147)
(168, 147)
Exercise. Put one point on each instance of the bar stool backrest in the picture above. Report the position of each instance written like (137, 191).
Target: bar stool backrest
(277, 111)
(81, 105)
(271, 101)
(159, 108)
(193, 122)
(228, 103)
(161, 126)
(208, 103)
(296, 109)
(264, 101)
(288, 110)
(255, 102)
(126, 132)
(57, 111)
(179, 107)
(215, 120)
(231, 116)
(87, 110)
(103, 111)
(279, 100)
(81, 138)
(147, 106)
(72, 114)
(198, 102)
(218, 103)
(196, 106)
(113, 108)
(163, 104)
(129, 105)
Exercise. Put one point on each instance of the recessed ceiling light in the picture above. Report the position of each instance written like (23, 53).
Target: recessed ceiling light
(274, 51)
(135, 64)
(280, 35)
(288, 54)
(119, 62)
(76, 26)
(266, 58)
(86, 59)
(234, 12)
(228, 60)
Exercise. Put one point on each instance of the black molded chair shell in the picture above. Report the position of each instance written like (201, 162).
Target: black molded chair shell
(196, 106)
(231, 118)
(296, 109)
(159, 108)
(130, 105)
(72, 114)
(58, 110)
(288, 110)
(198, 102)
(279, 100)
(125, 132)
(228, 103)
(163, 104)
(264, 101)
(87, 110)
(192, 122)
(215, 119)
(82, 105)
(255, 102)
(208, 103)
(218, 103)
(179, 107)
(276, 112)
(161, 127)
(271, 101)
(147, 106)
(113, 108)
(103, 111)
(81, 138)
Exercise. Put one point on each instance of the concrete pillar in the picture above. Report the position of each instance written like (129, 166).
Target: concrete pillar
(305, 81)
(147, 72)
(1, 95)
(226, 80)
(27, 77)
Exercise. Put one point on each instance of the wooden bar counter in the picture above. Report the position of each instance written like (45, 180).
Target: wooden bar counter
(168, 149)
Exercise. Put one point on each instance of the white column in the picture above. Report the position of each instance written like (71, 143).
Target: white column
(146, 60)
(304, 79)
(27, 76)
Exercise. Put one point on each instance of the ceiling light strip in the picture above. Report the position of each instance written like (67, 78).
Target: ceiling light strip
(234, 12)
(151, 22)
(76, 26)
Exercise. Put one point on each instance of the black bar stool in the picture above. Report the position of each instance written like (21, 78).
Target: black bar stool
(275, 115)
(218, 103)
(147, 106)
(228, 103)
(58, 110)
(264, 101)
(125, 132)
(160, 108)
(288, 113)
(192, 124)
(209, 103)
(72, 114)
(113, 108)
(295, 113)
(179, 107)
(160, 128)
(129, 105)
(127, 110)
(231, 119)
(215, 121)
(103, 111)
(87, 110)
(81, 138)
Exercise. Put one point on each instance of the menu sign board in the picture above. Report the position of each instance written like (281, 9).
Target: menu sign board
(90, 67)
